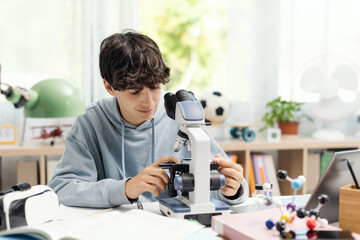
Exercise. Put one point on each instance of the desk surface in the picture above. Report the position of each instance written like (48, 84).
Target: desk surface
(65, 212)
(247, 206)
(69, 213)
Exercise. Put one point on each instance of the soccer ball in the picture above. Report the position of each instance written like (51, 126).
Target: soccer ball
(216, 106)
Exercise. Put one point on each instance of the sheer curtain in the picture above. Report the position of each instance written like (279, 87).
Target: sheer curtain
(269, 43)
(100, 20)
(253, 53)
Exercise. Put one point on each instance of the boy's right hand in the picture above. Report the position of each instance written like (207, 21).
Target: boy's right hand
(152, 179)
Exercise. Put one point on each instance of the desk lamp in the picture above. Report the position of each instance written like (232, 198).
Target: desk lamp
(49, 98)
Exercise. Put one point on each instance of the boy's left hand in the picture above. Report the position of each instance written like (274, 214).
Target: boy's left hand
(234, 175)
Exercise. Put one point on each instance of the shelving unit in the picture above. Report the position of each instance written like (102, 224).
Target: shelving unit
(292, 154)
(33, 150)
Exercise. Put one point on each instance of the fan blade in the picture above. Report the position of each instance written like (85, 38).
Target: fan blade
(330, 110)
(329, 88)
(347, 77)
(311, 79)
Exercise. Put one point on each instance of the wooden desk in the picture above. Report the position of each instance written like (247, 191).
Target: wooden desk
(33, 150)
(292, 153)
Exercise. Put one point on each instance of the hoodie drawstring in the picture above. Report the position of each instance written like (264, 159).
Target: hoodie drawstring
(153, 150)
(153, 141)
(122, 148)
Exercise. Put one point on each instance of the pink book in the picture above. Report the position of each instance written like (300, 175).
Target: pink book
(251, 225)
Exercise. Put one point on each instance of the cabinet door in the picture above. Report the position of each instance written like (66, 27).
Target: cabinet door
(293, 162)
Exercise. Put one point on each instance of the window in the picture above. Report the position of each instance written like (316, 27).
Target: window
(243, 44)
(250, 50)
(192, 36)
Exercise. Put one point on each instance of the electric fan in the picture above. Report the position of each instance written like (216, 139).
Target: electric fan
(334, 79)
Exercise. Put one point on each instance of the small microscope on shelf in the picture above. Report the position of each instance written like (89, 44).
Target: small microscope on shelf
(190, 183)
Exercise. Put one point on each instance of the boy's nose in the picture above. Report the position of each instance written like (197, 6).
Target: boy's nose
(147, 97)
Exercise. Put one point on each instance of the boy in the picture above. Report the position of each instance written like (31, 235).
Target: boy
(113, 152)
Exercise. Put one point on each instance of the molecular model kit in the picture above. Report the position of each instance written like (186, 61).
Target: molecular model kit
(263, 196)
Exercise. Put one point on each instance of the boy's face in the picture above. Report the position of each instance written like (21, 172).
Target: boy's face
(136, 107)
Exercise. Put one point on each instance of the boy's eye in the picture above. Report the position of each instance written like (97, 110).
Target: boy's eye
(134, 92)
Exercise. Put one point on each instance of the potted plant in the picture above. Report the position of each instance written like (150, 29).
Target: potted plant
(286, 114)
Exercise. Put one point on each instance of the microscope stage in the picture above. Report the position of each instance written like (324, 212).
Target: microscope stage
(179, 207)
(173, 207)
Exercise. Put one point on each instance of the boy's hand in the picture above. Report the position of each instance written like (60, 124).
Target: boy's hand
(152, 179)
(233, 175)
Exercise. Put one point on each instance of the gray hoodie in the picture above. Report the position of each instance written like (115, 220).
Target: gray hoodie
(102, 151)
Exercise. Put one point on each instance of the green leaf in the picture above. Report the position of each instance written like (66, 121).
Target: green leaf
(279, 110)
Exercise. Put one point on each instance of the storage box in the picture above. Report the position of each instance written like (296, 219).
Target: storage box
(27, 172)
(50, 169)
(349, 205)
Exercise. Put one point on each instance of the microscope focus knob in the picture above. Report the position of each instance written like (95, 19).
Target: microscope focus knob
(178, 183)
(217, 181)
(184, 182)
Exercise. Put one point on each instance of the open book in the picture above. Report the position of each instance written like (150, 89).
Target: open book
(110, 224)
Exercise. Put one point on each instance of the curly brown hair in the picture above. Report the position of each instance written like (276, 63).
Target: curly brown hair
(131, 60)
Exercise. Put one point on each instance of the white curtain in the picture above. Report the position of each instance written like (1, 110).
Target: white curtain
(270, 42)
(253, 53)
(100, 20)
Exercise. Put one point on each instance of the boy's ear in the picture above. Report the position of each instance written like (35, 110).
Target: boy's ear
(108, 88)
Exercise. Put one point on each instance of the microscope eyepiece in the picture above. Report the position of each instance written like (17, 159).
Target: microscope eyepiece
(171, 99)
(183, 95)
(170, 105)
(168, 96)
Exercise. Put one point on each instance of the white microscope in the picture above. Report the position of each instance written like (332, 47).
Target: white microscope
(194, 179)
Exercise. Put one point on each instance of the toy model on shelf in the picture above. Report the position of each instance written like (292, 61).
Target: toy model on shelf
(239, 130)
(50, 132)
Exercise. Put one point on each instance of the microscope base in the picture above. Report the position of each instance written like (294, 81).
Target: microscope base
(173, 207)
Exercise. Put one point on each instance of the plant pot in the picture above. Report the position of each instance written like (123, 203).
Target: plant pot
(289, 128)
